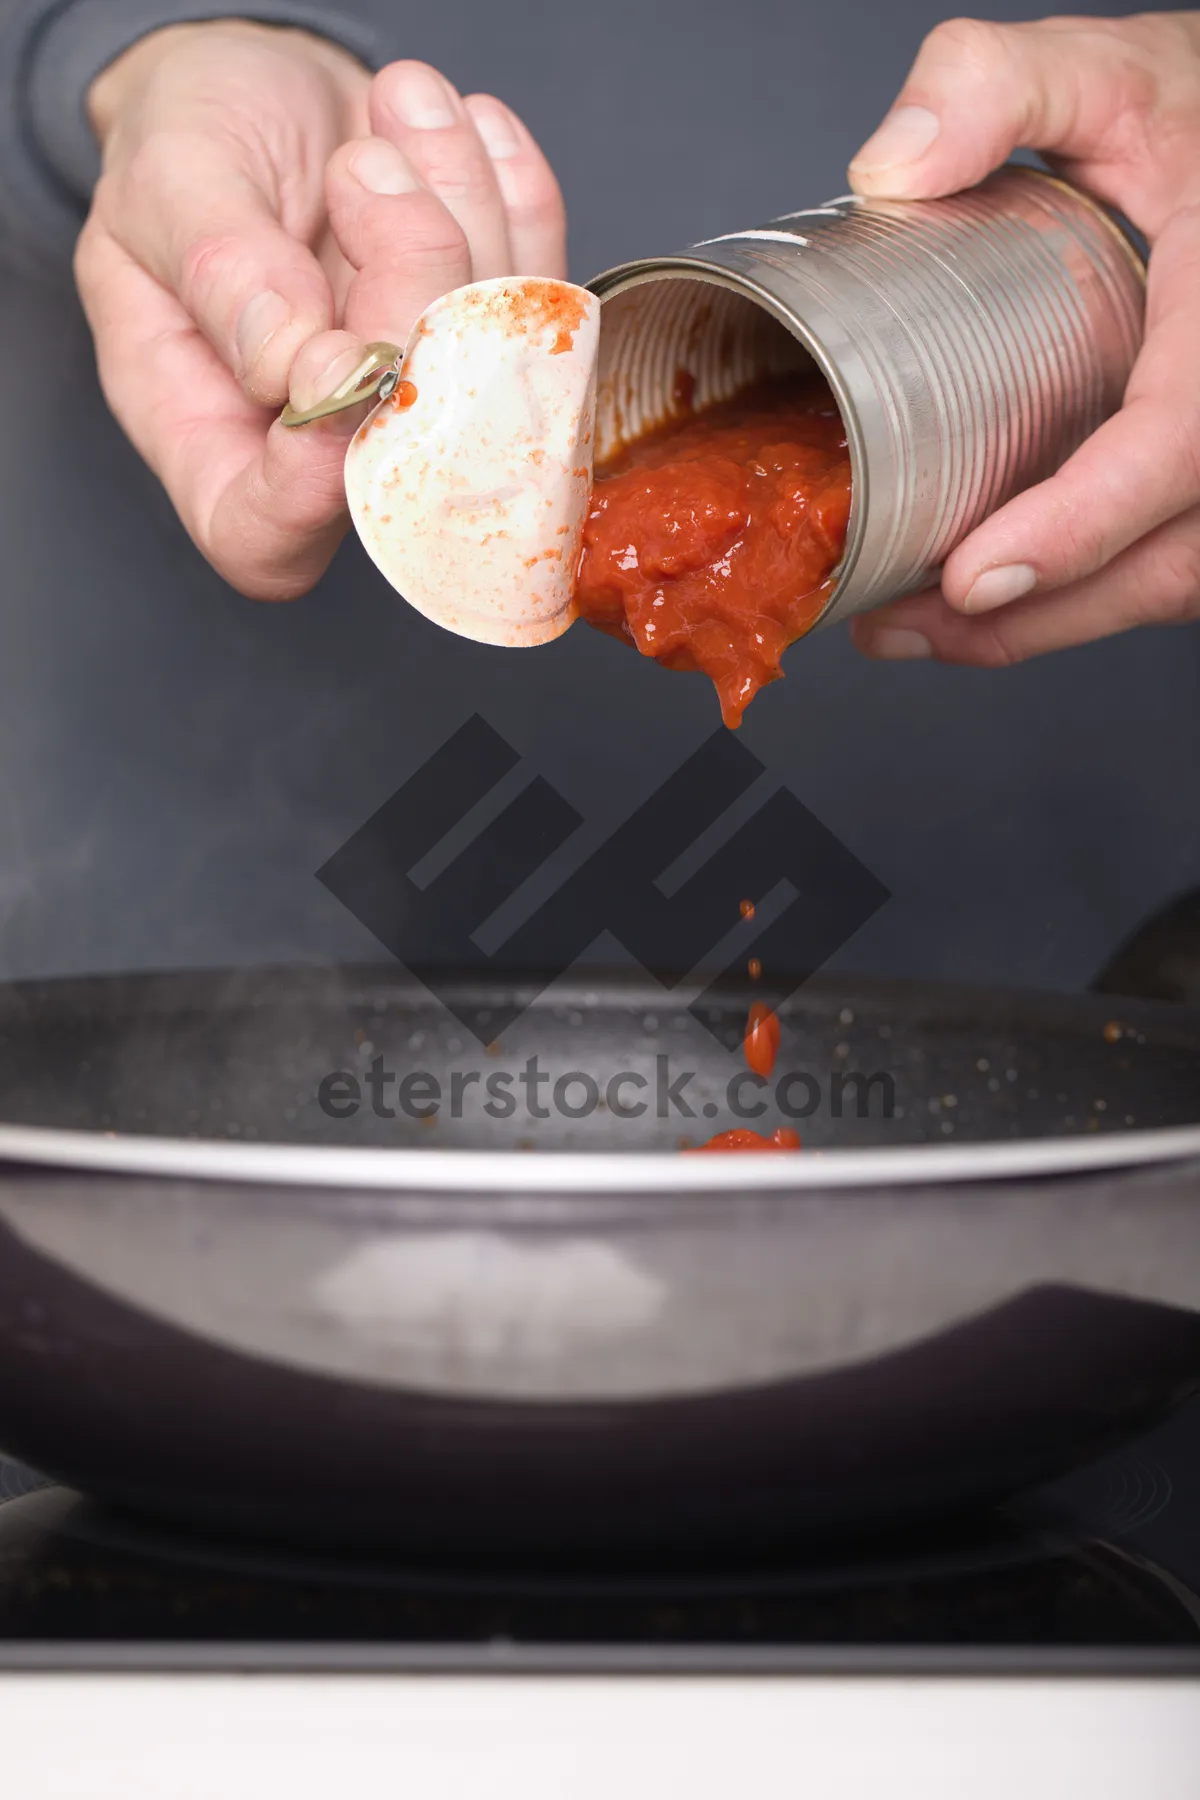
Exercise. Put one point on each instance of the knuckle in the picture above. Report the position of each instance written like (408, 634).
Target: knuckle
(991, 647)
(148, 166)
(427, 232)
(1172, 596)
(207, 264)
(1185, 434)
(1079, 545)
(104, 197)
(84, 263)
(142, 171)
(974, 45)
(538, 201)
(456, 172)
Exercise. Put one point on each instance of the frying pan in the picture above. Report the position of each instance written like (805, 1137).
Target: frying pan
(558, 1338)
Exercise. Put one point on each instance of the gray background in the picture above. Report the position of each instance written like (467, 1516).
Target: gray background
(176, 761)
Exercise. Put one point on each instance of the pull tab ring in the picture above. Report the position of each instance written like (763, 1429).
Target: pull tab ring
(375, 377)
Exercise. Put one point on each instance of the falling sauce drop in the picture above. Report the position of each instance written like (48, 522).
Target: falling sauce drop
(746, 908)
(754, 968)
(761, 1042)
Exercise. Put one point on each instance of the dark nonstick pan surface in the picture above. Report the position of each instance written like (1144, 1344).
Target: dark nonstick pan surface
(543, 1373)
(241, 1056)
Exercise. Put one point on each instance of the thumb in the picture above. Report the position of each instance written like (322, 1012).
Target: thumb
(979, 91)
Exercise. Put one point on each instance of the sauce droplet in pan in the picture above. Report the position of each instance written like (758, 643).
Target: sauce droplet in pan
(742, 1138)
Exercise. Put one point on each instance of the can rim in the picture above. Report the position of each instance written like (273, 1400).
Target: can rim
(623, 276)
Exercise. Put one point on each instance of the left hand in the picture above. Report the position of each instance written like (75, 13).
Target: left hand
(265, 207)
(1112, 540)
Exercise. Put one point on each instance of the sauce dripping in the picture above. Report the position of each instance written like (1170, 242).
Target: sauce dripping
(710, 542)
(761, 1042)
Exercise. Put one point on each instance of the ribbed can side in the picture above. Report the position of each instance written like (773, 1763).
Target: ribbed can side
(972, 343)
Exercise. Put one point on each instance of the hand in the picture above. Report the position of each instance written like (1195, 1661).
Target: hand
(216, 287)
(1112, 539)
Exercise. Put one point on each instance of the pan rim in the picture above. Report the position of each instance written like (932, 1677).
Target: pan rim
(588, 1172)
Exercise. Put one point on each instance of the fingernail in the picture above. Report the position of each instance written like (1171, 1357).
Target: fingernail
(896, 643)
(996, 587)
(421, 98)
(495, 127)
(905, 134)
(311, 391)
(257, 324)
(381, 168)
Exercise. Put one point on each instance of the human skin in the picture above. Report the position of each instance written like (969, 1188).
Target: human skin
(1112, 540)
(265, 207)
(243, 162)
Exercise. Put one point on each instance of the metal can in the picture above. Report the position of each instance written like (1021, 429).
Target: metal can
(971, 344)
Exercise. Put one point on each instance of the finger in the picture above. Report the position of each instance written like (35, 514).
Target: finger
(416, 109)
(905, 630)
(196, 219)
(977, 91)
(265, 505)
(403, 241)
(1138, 470)
(322, 365)
(533, 202)
(1156, 582)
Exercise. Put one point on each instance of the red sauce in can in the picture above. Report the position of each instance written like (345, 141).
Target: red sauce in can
(710, 542)
(742, 1138)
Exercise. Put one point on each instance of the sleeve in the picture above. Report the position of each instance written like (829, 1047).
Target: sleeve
(50, 52)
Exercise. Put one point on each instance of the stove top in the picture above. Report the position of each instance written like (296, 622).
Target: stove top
(1099, 1573)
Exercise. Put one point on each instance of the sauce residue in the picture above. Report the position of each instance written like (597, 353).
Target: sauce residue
(761, 1042)
(526, 307)
(535, 305)
(710, 542)
(742, 1138)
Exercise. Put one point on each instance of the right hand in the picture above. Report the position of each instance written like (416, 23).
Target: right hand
(1112, 538)
(265, 208)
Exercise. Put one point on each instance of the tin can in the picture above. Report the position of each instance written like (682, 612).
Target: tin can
(971, 344)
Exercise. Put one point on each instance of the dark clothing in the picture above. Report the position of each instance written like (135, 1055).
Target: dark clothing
(178, 761)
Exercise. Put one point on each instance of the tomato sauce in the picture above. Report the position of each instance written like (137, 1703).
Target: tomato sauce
(742, 1138)
(761, 1042)
(710, 542)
